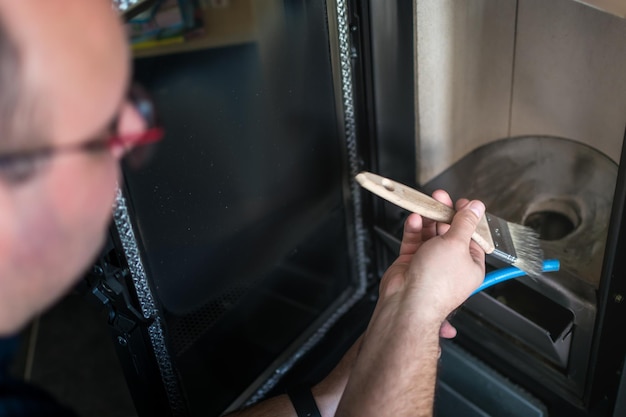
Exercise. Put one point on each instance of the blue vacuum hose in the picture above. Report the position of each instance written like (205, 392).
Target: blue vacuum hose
(510, 272)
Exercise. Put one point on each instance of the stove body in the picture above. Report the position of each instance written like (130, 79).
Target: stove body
(248, 259)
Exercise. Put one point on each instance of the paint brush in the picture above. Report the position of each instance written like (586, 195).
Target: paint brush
(508, 242)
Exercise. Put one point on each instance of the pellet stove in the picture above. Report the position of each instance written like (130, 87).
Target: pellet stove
(244, 258)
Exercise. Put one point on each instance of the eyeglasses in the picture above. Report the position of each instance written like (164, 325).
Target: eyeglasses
(18, 167)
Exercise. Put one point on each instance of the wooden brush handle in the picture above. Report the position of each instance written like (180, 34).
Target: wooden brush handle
(416, 202)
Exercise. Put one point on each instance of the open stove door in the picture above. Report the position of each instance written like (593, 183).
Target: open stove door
(241, 243)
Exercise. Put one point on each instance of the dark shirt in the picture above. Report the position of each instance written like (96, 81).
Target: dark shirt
(20, 399)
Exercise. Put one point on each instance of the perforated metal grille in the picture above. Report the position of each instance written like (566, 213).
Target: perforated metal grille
(186, 330)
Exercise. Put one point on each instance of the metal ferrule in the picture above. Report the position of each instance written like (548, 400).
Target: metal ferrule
(504, 247)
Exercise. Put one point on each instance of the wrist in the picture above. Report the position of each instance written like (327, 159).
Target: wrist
(409, 312)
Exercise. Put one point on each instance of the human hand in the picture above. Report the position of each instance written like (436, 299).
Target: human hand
(439, 265)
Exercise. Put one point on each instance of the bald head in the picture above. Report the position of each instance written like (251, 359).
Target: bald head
(70, 61)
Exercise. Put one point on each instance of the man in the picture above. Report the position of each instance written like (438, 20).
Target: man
(65, 122)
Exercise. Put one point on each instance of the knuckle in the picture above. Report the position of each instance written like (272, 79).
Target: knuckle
(468, 218)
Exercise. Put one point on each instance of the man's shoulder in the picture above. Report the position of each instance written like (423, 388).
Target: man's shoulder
(19, 398)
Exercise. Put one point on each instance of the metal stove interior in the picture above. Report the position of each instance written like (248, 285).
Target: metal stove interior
(521, 104)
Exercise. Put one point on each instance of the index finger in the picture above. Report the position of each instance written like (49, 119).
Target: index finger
(443, 197)
(411, 236)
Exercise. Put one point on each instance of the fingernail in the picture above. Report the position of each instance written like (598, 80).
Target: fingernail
(478, 208)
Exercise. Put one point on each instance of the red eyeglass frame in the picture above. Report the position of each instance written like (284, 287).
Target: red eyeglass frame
(150, 136)
(20, 165)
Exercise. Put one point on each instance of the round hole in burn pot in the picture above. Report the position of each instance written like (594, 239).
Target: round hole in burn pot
(553, 219)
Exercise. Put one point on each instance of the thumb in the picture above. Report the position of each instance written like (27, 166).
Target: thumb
(465, 221)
